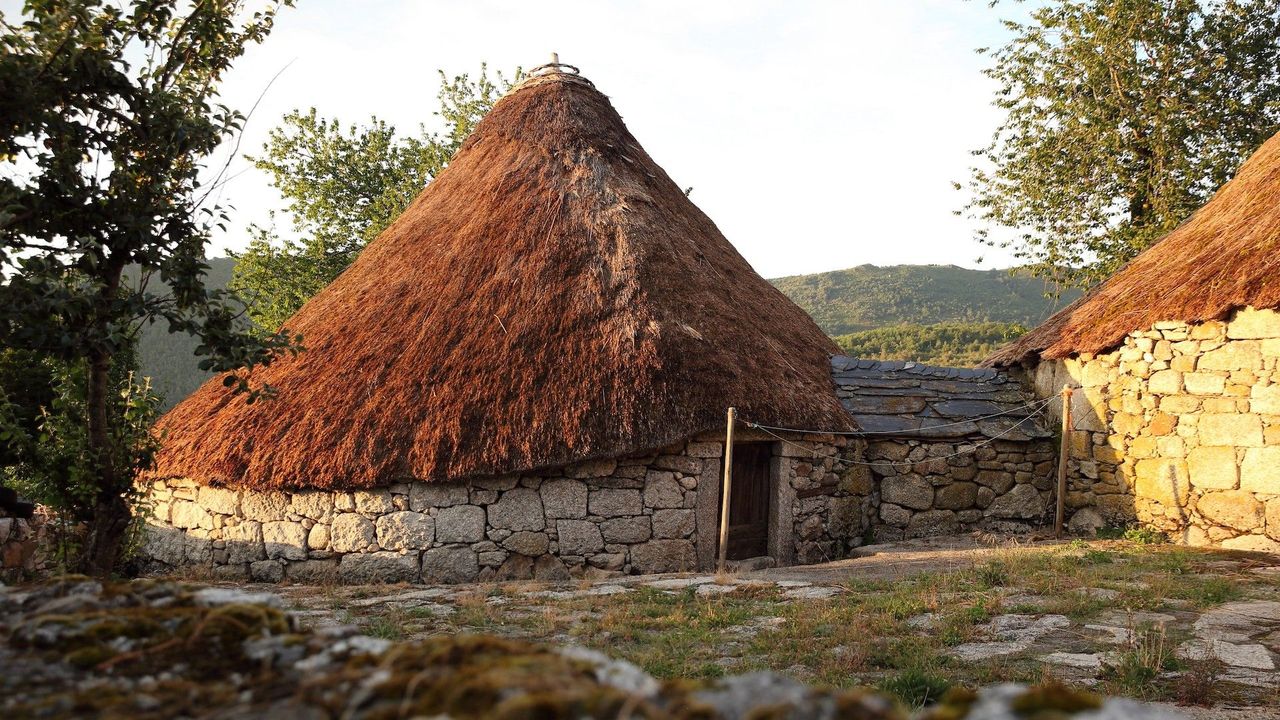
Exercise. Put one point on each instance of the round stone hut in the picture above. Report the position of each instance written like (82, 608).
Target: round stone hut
(1176, 420)
(526, 374)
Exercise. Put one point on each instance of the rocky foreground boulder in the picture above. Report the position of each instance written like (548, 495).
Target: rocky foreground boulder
(76, 648)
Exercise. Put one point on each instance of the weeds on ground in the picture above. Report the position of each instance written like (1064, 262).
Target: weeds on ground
(1140, 663)
(1199, 683)
(915, 687)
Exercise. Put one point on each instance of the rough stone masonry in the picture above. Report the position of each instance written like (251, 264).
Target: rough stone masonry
(1179, 428)
(649, 513)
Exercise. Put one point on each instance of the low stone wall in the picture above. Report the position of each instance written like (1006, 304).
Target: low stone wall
(1179, 429)
(940, 487)
(643, 514)
(827, 492)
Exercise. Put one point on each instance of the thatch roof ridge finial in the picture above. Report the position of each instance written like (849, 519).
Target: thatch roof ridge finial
(554, 71)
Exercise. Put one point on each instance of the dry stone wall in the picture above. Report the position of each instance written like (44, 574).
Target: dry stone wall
(643, 514)
(951, 449)
(826, 492)
(1179, 429)
(940, 487)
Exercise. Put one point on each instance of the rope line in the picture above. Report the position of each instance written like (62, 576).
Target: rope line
(769, 431)
(1035, 407)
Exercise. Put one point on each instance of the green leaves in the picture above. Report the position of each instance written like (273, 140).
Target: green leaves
(108, 116)
(344, 184)
(1123, 117)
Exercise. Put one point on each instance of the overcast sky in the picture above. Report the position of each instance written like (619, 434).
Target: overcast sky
(817, 134)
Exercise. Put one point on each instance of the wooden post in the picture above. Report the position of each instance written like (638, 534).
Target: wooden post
(1063, 453)
(725, 489)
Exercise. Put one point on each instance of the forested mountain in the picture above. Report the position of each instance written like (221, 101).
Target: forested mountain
(867, 297)
(931, 313)
(169, 359)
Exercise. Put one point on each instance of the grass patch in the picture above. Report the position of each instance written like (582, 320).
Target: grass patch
(916, 688)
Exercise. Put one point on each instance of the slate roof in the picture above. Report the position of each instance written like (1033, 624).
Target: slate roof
(907, 399)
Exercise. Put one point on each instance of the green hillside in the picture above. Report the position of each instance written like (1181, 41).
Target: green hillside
(938, 314)
(169, 359)
(953, 344)
(868, 297)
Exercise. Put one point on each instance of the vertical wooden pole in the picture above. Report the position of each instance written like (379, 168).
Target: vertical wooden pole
(1063, 452)
(725, 490)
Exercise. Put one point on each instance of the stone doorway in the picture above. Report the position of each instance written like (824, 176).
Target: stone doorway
(750, 500)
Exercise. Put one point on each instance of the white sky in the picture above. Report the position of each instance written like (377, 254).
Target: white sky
(818, 134)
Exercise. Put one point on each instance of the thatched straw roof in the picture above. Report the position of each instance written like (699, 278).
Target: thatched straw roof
(551, 297)
(1226, 256)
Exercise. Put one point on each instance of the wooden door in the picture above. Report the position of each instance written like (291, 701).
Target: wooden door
(749, 501)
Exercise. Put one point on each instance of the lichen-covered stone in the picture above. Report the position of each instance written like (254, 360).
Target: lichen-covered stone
(518, 509)
(933, 522)
(314, 504)
(956, 496)
(424, 496)
(318, 537)
(564, 498)
(1232, 508)
(405, 530)
(244, 542)
(219, 500)
(579, 537)
(664, 556)
(373, 502)
(264, 506)
(527, 543)
(460, 524)
(351, 533)
(673, 523)
(1023, 502)
(449, 565)
(549, 568)
(285, 540)
(662, 491)
(627, 530)
(611, 503)
(911, 491)
(188, 515)
(385, 566)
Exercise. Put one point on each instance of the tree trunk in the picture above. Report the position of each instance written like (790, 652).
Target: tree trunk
(110, 512)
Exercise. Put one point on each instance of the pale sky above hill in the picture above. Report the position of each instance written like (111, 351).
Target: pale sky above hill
(818, 134)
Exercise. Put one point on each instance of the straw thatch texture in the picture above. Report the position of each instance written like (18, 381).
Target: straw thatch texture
(1225, 257)
(552, 297)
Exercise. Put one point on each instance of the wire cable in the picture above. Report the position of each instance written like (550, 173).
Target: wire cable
(1035, 407)
(769, 430)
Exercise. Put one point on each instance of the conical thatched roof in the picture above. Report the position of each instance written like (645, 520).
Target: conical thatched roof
(1227, 256)
(551, 297)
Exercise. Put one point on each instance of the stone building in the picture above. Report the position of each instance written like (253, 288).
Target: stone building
(526, 374)
(949, 449)
(1176, 364)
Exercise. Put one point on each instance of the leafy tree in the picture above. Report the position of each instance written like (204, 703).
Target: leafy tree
(345, 184)
(49, 458)
(108, 116)
(1123, 117)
